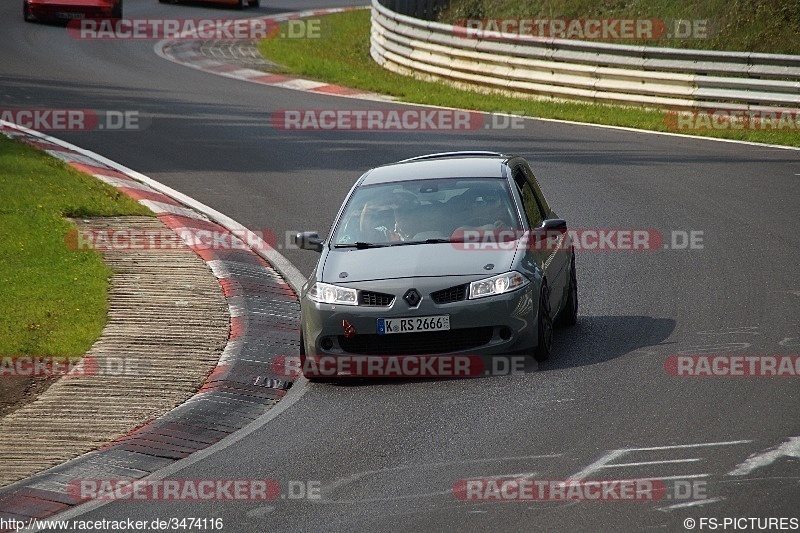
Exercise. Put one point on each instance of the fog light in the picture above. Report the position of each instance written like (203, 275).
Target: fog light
(505, 333)
(326, 343)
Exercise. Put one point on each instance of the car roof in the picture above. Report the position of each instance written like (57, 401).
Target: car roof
(443, 165)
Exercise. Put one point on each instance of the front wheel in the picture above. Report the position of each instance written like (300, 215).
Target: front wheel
(26, 12)
(116, 11)
(545, 326)
(254, 3)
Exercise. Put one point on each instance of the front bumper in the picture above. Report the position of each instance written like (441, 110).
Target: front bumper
(496, 325)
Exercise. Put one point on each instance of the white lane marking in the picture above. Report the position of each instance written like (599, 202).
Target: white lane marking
(520, 475)
(747, 330)
(645, 463)
(695, 503)
(716, 348)
(300, 84)
(669, 478)
(683, 446)
(163, 207)
(599, 464)
(605, 461)
(790, 448)
(122, 182)
(246, 73)
(260, 512)
(72, 158)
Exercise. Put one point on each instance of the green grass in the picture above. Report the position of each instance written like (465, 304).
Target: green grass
(341, 56)
(769, 26)
(53, 299)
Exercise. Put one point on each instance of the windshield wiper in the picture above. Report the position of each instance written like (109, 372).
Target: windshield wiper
(426, 241)
(360, 245)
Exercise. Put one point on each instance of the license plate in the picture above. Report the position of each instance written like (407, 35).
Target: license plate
(413, 325)
(61, 15)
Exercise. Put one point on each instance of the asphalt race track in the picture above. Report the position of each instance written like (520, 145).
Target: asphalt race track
(387, 454)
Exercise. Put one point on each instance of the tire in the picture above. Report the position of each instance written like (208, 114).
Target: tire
(569, 315)
(26, 12)
(254, 3)
(116, 11)
(544, 326)
(240, 4)
(312, 379)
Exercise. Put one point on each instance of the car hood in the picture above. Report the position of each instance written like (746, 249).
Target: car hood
(415, 260)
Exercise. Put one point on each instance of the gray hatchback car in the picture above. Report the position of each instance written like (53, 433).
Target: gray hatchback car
(452, 253)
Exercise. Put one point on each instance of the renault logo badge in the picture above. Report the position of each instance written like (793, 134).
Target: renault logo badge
(412, 297)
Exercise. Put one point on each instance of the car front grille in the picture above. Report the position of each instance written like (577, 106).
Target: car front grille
(449, 295)
(375, 299)
(421, 343)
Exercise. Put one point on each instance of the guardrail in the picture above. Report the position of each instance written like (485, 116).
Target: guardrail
(569, 69)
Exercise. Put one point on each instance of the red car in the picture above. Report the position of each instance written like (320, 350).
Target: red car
(65, 10)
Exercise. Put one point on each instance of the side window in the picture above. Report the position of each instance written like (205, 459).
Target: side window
(533, 212)
(536, 189)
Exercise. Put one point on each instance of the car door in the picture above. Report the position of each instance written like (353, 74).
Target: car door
(549, 253)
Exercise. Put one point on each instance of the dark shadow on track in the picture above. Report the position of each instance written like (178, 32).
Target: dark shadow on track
(593, 340)
(597, 339)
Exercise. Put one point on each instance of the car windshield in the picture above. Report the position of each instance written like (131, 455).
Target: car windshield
(422, 211)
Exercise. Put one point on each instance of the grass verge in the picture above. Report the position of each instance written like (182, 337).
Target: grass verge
(53, 298)
(767, 26)
(341, 56)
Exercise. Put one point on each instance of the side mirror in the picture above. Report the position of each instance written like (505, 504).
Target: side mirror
(556, 224)
(308, 240)
(546, 236)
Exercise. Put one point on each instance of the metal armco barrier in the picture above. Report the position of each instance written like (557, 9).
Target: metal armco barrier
(570, 69)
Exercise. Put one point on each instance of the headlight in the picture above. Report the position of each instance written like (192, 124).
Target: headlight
(325, 293)
(510, 281)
